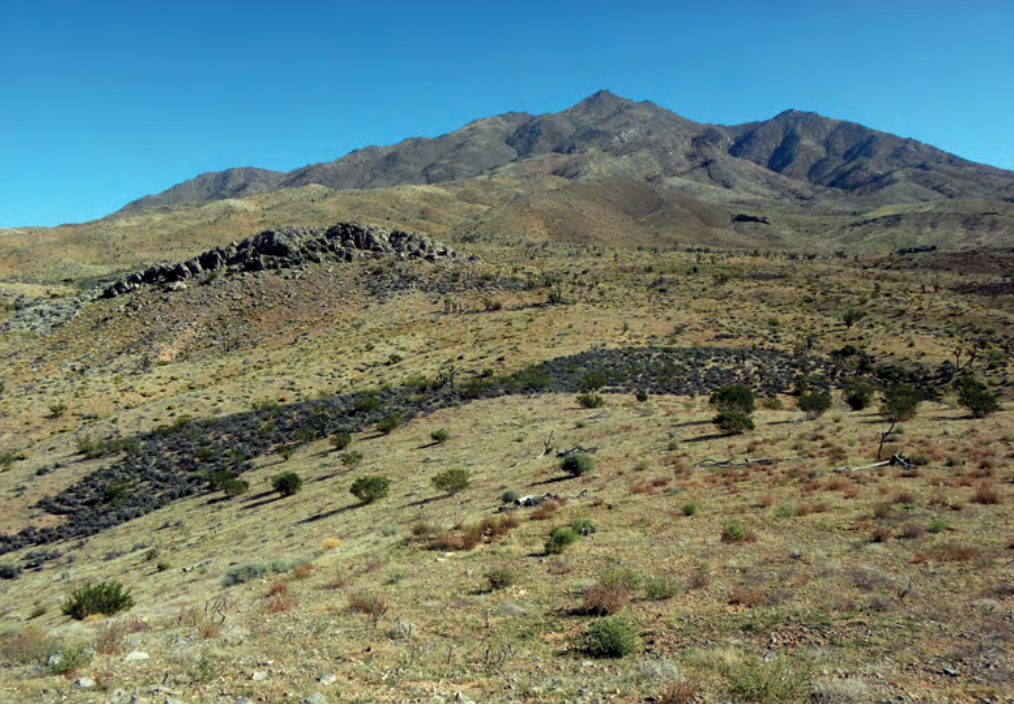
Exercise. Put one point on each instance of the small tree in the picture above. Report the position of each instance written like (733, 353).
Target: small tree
(389, 422)
(452, 481)
(858, 394)
(733, 422)
(341, 440)
(900, 403)
(286, 483)
(735, 397)
(853, 316)
(370, 488)
(577, 463)
(814, 403)
(973, 395)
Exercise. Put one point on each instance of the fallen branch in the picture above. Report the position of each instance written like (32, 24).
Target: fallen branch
(895, 459)
(575, 450)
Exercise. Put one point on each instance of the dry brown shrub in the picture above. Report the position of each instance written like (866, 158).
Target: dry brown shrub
(766, 501)
(110, 639)
(559, 566)
(642, 489)
(986, 495)
(904, 497)
(852, 491)
(303, 570)
(23, 647)
(837, 484)
(745, 596)
(208, 631)
(683, 692)
(367, 603)
(953, 552)
(880, 534)
(882, 511)
(820, 507)
(545, 510)
(278, 588)
(510, 520)
(422, 529)
(279, 603)
(660, 482)
(912, 531)
(605, 599)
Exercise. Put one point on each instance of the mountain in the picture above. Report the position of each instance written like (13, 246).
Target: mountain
(792, 158)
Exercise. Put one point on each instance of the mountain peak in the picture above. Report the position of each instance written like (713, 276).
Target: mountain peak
(600, 103)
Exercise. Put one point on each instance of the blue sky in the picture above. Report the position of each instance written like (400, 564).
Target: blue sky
(104, 101)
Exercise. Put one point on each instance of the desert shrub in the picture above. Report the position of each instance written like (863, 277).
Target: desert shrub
(974, 396)
(690, 509)
(9, 571)
(772, 402)
(583, 526)
(590, 400)
(351, 458)
(228, 482)
(341, 440)
(577, 463)
(733, 422)
(606, 598)
(238, 574)
(389, 422)
(641, 395)
(661, 587)
(68, 657)
(814, 403)
(939, 525)
(501, 577)
(735, 397)
(103, 598)
(900, 402)
(366, 402)
(509, 496)
(452, 481)
(609, 637)
(560, 538)
(370, 487)
(767, 683)
(440, 436)
(593, 381)
(286, 483)
(858, 394)
(27, 646)
(736, 532)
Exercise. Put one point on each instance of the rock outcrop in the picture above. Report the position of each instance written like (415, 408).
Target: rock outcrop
(289, 247)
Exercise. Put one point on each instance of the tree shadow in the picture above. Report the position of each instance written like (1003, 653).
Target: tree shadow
(552, 480)
(712, 436)
(327, 514)
(691, 423)
(263, 502)
(423, 502)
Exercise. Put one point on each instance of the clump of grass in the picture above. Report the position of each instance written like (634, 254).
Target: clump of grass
(735, 532)
(661, 587)
(590, 400)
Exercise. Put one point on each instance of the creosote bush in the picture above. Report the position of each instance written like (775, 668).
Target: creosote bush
(341, 440)
(733, 422)
(440, 436)
(814, 402)
(577, 463)
(609, 637)
(900, 402)
(858, 394)
(975, 397)
(733, 398)
(286, 483)
(590, 400)
(370, 488)
(501, 577)
(560, 538)
(103, 598)
(452, 481)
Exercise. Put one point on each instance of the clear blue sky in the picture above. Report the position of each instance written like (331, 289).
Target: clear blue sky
(104, 101)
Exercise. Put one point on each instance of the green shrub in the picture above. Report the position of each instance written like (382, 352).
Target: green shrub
(609, 637)
(351, 458)
(690, 509)
(227, 482)
(9, 571)
(389, 422)
(814, 403)
(583, 526)
(858, 394)
(735, 397)
(341, 440)
(452, 481)
(661, 587)
(974, 396)
(577, 463)
(103, 598)
(509, 496)
(239, 574)
(900, 402)
(366, 402)
(767, 683)
(440, 436)
(735, 532)
(560, 538)
(939, 525)
(286, 483)
(501, 577)
(590, 400)
(68, 657)
(370, 488)
(641, 395)
(733, 422)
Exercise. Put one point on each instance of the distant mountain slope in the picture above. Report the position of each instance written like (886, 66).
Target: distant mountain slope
(795, 157)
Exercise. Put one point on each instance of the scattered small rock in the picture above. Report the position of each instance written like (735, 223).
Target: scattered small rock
(259, 676)
(315, 698)
(85, 682)
(327, 679)
(136, 655)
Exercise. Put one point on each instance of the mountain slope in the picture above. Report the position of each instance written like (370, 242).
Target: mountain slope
(794, 157)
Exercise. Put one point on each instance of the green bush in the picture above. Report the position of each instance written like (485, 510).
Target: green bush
(814, 403)
(509, 496)
(641, 395)
(560, 538)
(351, 458)
(341, 440)
(366, 402)
(9, 571)
(735, 397)
(370, 488)
(690, 509)
(103, 598)
(590, 400)
(974, 396)
(858, 394)
(661, 587)
(577, 463)
(900, 402)
(286, 483)
(733, 422)
(440, 436)
(452, 481)
(228, 482)
(389, 422)
(767, 683)
(501, 577)
(734, 531)
(609, 637)
(583, 526)
(239, 574)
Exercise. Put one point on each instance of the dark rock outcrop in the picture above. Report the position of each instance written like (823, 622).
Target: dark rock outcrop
(290, 247)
